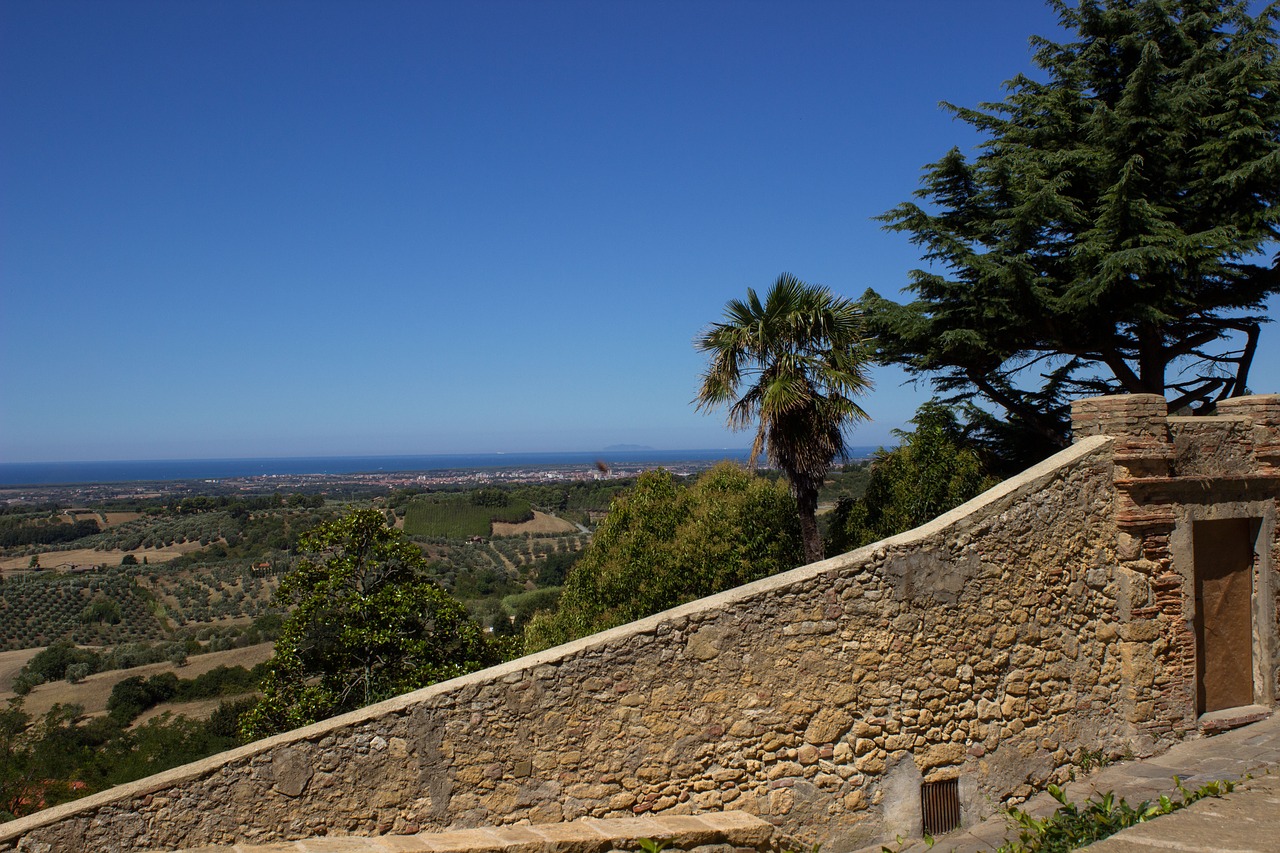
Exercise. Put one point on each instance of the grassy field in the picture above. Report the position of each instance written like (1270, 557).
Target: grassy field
(90, 557)
(541, 523)
(11, 662)
(93, 692)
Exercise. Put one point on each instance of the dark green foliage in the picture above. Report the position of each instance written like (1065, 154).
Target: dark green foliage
(663, 544)
(133, 695)
(1113, 233)
(160, 744)
(932, 471)
(482, 583)
(51, 663)
(490, 497)
(366, 624)
(524, 606)
(553, 570)
(16, 778)
(60, 756)
(102, 609)
(791, 366)
(224, 722)
(578, 495)
(457, 517)
(34, 530)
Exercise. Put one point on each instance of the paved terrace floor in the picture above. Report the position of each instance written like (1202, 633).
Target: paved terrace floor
(1244, 821)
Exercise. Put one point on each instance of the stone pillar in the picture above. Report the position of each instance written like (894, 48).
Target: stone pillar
(1149, 594)
(1263, 411)
(1138, 415)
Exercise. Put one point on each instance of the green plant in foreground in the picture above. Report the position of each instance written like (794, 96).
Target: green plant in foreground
(648, 845)
(1073, 826)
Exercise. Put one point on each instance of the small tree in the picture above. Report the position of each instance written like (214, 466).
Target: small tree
(177, 654)
(367, 624)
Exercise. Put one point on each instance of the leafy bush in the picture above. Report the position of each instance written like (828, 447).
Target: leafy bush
(77, 672)
(102, 609)
(133, 695)
(52, 663)
(1072, 826)
(932, 471)
(663, 544)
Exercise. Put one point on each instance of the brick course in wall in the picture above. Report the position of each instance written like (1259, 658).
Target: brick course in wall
(996, 645)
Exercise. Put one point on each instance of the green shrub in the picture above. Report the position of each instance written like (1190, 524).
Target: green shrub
(1073, 826)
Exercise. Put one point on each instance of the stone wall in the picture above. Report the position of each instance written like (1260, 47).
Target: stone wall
(994, 646)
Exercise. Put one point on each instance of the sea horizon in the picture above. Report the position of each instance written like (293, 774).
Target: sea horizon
(15, 474)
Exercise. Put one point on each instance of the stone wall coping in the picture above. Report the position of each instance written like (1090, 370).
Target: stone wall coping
(1262, 398)
(1210, 419)
(587, 835)
(1029, 481)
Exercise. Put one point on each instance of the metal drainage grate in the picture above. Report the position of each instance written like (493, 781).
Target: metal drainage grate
(940, 806)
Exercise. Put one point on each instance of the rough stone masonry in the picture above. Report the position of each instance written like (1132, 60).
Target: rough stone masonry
(1051, 617)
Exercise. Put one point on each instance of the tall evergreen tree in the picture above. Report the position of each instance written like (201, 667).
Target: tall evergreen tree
(791, 365)
(1116, 231)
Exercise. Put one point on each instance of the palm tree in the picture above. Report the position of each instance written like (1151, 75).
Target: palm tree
(799, 359)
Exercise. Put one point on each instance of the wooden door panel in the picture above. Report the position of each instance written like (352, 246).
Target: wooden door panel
(1224, 613)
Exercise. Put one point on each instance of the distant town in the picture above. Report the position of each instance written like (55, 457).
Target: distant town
(458, 478)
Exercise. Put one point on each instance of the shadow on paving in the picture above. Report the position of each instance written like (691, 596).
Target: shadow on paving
(1244, 821)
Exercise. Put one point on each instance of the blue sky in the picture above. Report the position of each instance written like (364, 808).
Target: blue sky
(303, 228)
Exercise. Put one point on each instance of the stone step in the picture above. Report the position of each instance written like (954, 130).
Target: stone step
(717, 832)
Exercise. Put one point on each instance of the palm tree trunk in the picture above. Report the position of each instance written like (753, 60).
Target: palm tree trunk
(807, 504)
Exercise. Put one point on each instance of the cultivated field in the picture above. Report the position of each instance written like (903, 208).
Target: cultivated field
(541, 523)
(93, 692)
(90, 557)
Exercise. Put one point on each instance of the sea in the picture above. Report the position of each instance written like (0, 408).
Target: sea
(160, 470)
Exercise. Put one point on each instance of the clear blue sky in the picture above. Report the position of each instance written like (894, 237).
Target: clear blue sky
(298, 228)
